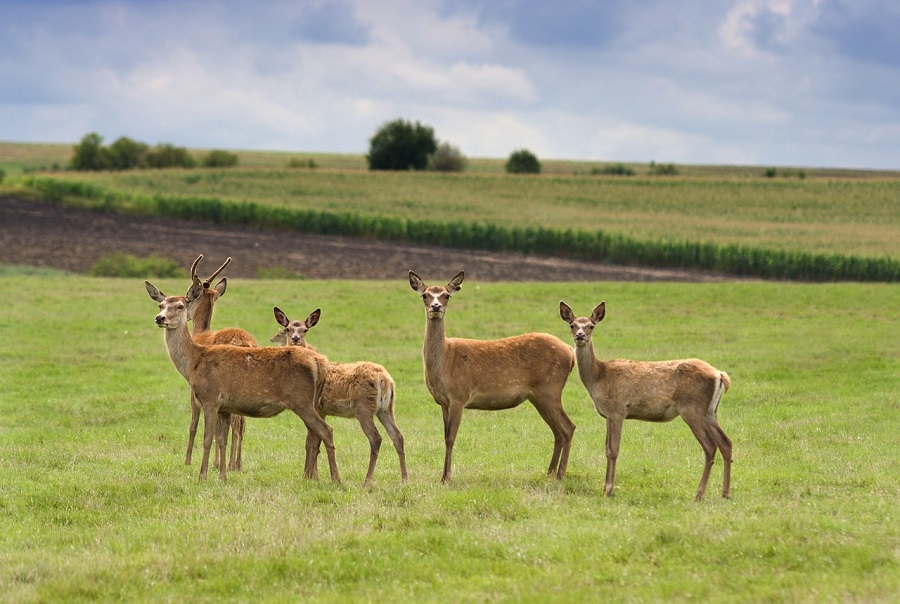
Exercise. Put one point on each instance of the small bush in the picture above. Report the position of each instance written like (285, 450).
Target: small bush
(296, 162)
(523, 161)
(220, 159)
(771, 172)
(165, 155)
(614, 170)
(663, 169)
(126, 265)
(447, 158)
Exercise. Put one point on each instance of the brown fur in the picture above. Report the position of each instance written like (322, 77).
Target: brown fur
(361, 390)
(200, 312)
(254, 382)
(493, 374)
(654, 392)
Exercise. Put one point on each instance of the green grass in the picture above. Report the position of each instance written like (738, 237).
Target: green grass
(97, 505)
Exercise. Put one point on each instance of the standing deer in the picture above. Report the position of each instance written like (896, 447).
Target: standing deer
(361, 390)
(493, 374)
(254, 382)
(200, 312)
(654, 392)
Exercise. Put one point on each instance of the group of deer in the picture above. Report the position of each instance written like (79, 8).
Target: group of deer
(228, 382)
(231, 378)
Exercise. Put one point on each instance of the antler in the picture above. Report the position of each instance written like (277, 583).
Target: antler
(208, 281)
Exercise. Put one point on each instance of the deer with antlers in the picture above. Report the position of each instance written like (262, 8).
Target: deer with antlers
(653, 392)
(362, 390)
(252, 382)
(200, 312)
(493, 374)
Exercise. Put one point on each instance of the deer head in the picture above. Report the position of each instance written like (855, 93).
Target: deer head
(293, 333)
(582, 327)
(436, 297)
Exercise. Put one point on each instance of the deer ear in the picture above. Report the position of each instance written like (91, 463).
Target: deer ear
(195, 291)
(415, 282)
(154, 293)
(456, 282)
(278, 337)
(281, 317)
(221, 285)
(599, 312)
(565, 312)
(313, 318)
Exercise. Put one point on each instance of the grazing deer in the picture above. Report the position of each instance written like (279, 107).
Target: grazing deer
(493, 374)
(653, 392)
(200, 312)
(253, 382)
(361, 390)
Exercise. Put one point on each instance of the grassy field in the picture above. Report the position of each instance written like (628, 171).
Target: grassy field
(97, 504)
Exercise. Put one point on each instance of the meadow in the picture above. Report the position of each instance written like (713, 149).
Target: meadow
(97, 503)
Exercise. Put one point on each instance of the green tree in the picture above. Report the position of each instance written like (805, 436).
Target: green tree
(401, 145)
(125, 154)
(523, 161)
(89, 154)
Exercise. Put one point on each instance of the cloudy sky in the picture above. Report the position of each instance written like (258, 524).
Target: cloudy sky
(764, 82)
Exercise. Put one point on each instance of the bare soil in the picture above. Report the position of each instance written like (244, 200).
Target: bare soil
(40, 234)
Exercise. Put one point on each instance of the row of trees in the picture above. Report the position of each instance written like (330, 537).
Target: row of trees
(404, 145)
(127, 154)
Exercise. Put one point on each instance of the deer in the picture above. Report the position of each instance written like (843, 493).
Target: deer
(200, 313)
(253, 382)
(362, 390)
(656, 391)
(492, 375)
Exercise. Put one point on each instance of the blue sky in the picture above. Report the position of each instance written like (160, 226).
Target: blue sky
(765, 82)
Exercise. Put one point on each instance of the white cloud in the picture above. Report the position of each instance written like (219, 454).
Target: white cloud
(790, 82)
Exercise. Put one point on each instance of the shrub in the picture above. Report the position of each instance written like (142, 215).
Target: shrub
(127, 265)
(619, 169)
(771, 172)
(165, 155)
(448, 158)
(220, 159)
(301, 163)
(401, 145)
(125, 154)
(523, 161)
(663, 169)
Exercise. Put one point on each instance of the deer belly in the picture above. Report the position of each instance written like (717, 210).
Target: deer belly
(337, 407)
(253, 410)
(487, 402)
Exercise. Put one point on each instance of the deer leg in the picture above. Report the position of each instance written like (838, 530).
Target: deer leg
(210, 418)
(322, 433)
(724, 445)
(238, 425)
(368, 427)
(192, 429)
(703, 435)
(452, 419)
(386, 417)
(222, 425)
(311, 466)
(613, 438)
(563, 428)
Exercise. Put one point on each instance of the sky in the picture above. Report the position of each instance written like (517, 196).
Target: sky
(806, 83)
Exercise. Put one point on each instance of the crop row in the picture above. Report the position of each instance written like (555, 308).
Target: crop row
(596, 245)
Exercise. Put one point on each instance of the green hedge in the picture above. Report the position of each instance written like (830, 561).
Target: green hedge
(738, 260)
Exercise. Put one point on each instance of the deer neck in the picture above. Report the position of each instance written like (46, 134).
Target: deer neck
(590, 368)
(435, 349)
(182, 349)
